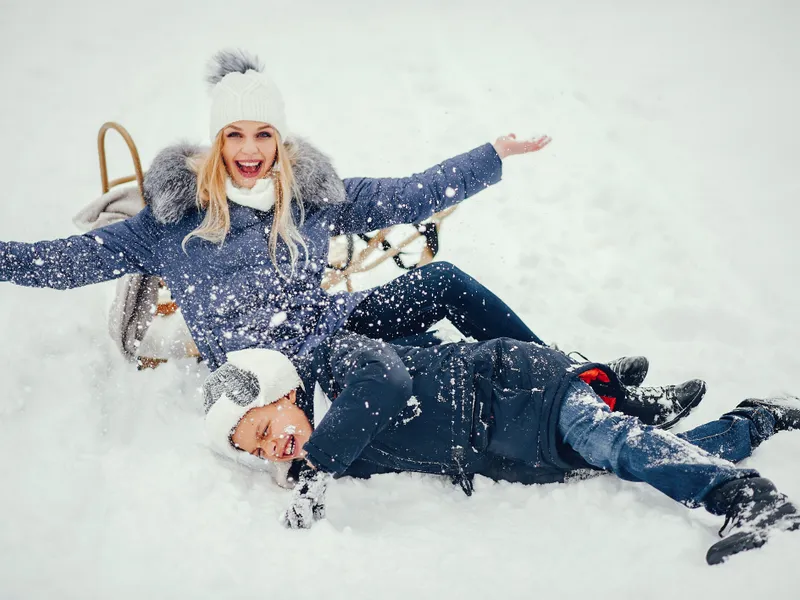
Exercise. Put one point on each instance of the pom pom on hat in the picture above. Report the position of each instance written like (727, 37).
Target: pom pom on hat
(226, 62)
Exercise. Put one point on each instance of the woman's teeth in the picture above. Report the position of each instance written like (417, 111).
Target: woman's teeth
(249, 168)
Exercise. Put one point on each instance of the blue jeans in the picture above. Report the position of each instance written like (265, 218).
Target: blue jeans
(734, 435)
(402, 310)
(682, 467)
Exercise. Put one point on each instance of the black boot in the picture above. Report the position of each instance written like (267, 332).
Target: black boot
(785, 410)
(662, 406)
(630, 370)
(754, 509)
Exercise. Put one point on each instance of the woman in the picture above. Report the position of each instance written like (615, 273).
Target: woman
(504, 409)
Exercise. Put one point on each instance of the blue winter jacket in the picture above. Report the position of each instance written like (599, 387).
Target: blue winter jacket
(457, 409)
(231, 296)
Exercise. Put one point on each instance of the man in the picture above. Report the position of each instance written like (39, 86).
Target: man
(501, 408)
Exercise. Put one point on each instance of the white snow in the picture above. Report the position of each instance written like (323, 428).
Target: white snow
(661, 220)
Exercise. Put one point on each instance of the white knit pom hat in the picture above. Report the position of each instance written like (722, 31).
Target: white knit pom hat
(251, 378)
(242, 92)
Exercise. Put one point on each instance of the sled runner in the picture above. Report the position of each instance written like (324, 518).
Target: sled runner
(146, 323)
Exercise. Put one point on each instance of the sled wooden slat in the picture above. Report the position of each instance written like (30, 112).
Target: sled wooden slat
(334, 277)
(359, 264)
(101, 152)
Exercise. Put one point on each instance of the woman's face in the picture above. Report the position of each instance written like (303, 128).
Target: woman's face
(275, 432)
(249, 149)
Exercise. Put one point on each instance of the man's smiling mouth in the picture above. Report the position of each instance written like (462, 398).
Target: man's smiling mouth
(288, 450)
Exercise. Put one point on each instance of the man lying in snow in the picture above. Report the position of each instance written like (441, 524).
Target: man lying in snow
(504, 409)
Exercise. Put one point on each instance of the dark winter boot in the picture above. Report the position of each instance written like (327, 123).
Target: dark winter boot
(662, 406)
(786, 411)
(631, 370)
(754, 510)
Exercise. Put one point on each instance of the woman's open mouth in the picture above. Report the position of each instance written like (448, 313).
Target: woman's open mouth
(249, 168)
(288, 450)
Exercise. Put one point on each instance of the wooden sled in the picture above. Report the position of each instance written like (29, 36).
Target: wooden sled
(349, 254)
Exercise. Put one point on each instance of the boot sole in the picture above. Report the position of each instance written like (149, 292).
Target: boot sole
(686, 409)
(741, 542)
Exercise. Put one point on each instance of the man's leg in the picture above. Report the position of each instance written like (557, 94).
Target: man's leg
(637, 452)
(734, 435)
(623, 445)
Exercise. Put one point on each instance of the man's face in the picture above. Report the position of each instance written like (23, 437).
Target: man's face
(275, 432)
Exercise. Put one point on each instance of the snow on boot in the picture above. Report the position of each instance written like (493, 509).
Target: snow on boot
(786, 411)
(756, 510)
(631, 370)
(665, 405)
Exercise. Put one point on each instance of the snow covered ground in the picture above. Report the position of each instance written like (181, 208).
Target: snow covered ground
(662, 220)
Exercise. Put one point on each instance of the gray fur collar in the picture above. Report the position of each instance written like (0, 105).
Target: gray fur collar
(170, 185)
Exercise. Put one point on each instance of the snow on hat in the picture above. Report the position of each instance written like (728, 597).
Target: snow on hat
(251, 378)
(242, 92)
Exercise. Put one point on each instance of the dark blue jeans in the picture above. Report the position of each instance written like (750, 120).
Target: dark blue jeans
(402, 310)
(684, 467)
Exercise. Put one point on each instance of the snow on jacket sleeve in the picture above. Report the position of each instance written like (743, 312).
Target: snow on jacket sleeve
(102, 254)
(375, 387)
(377, 203)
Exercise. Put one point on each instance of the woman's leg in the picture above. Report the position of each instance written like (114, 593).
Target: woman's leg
(637, 452)
(416, 300)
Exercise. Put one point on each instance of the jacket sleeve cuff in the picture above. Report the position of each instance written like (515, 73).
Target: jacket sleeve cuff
(489, 163)
(323, 461)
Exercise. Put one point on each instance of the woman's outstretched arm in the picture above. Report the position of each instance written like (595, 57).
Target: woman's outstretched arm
(106, 253)
(375, 203)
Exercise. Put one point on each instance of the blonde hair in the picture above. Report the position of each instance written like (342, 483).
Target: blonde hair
(213, 199)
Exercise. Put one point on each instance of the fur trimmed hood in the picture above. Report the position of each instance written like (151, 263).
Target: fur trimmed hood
(170, 184)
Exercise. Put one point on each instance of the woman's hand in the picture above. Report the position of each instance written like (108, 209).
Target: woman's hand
(508, 145)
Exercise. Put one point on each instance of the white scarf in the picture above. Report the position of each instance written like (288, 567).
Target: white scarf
(261, 196)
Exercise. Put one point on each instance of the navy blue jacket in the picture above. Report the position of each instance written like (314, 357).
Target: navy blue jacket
(456, 409)
(231, 296)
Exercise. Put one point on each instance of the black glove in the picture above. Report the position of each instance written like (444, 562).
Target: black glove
(308, 500)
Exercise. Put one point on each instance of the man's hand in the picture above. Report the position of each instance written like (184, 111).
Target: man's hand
(308, 500)
(508, 145)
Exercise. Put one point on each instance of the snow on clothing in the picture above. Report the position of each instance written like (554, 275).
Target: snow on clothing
(501, 408)
(444, 409)
(401, 310)
(232, 297)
